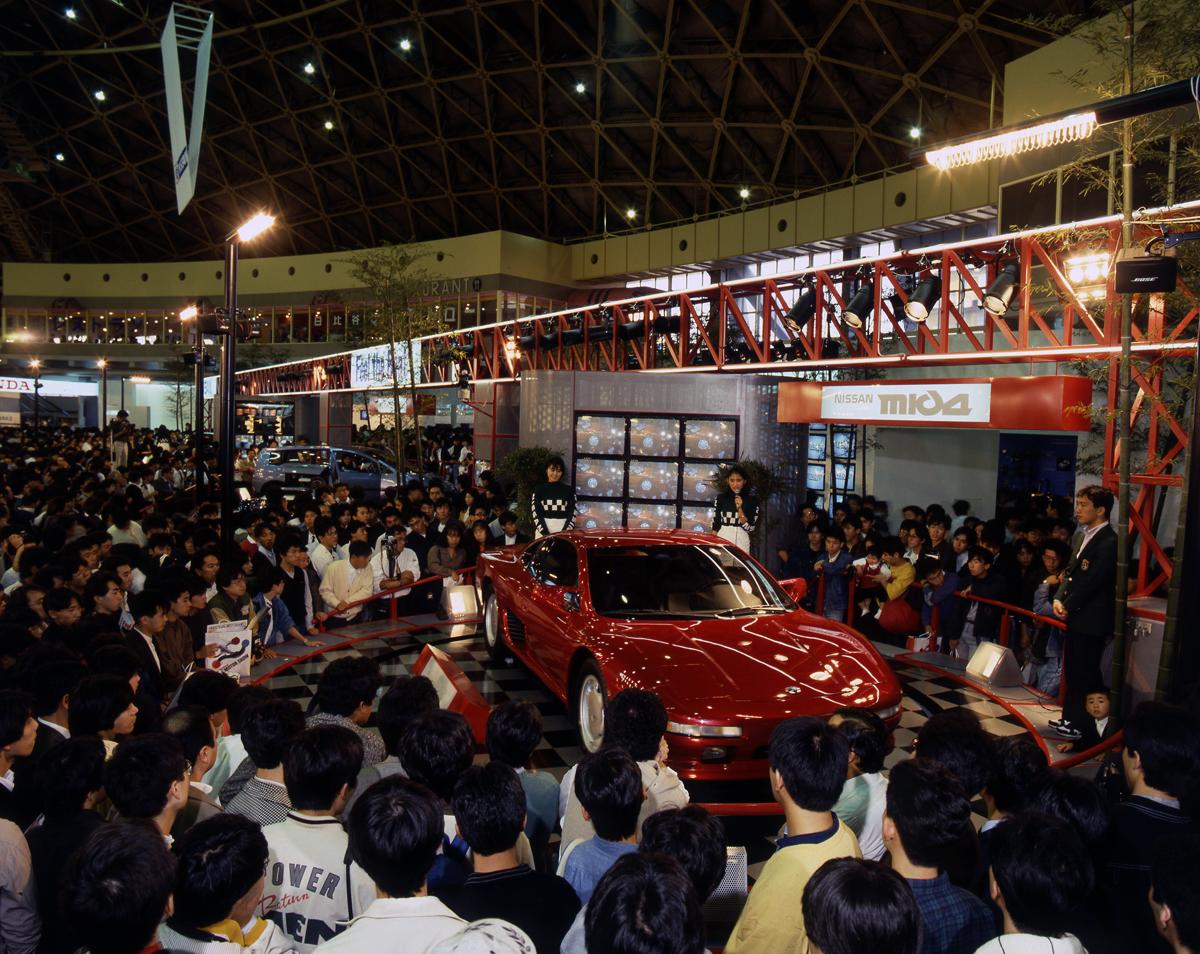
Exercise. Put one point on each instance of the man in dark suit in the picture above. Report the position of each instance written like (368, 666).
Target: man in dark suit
(149, 620)
(1085, 600)
(52, 685)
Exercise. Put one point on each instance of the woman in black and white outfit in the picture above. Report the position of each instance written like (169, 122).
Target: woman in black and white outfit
(736, 513)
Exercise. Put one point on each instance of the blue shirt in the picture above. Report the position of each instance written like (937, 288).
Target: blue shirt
(837, 582)
(953, 921)
(588, 861)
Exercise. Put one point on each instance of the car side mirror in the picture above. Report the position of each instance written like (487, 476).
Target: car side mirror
(570, 600)
(797, 588)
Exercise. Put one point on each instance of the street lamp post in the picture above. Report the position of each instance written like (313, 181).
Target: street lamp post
(37, 386)
(250, 229)
(192, 313)
(102, 364)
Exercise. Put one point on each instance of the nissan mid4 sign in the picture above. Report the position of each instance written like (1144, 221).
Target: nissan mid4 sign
(1041, 403)
(908, 403)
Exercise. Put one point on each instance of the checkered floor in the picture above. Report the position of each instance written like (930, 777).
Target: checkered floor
(925, 692)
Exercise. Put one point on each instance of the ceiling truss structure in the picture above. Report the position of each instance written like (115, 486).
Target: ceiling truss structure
(551, 118)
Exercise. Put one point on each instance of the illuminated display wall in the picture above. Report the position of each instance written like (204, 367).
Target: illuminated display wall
(653, 472)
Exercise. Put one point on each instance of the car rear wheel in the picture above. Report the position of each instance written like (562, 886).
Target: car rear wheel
(493, 633)
(590, 700)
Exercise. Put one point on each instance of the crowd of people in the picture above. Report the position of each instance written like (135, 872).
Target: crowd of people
(147, 802)
(1054, 558)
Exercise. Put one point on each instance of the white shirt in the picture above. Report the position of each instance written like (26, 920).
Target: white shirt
(385, 565)
(7, 780)
(55, 726)
(153, 651)
(392, 925)
(320, 557)
(1088, 534)
(1032, 944)
(342, 583)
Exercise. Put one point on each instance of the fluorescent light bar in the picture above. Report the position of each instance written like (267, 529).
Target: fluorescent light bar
(704, 731)
(1071, 128)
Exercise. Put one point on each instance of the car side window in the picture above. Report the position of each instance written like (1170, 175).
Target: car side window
(531, 557)
(559, 564)
(364, 465)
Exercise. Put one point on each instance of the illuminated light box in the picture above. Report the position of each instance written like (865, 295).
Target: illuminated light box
(599, 435)
(651, 517)
(698, 519)
(653, 437)
(653, 480)
(710, 440)
(599, 477)
(595, 515)
(994, 665)
(700, 482)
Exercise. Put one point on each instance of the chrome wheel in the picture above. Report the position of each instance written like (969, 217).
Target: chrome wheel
(492, 635)
(591, 711)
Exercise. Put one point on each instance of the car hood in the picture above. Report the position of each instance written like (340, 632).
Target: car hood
(807, 663)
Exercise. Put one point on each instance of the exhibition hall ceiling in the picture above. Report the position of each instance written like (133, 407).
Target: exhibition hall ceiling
(369, 121)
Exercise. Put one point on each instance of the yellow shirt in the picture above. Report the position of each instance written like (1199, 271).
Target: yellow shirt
(773, 921)
(903, 573)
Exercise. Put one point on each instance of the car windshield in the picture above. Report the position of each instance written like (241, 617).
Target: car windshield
(680, 582)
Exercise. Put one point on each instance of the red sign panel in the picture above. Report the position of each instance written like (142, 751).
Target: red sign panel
(1034, 403)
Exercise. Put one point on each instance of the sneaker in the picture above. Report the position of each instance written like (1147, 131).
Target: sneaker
(1064, 728)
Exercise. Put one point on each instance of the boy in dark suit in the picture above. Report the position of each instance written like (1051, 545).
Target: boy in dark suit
(1085, 601)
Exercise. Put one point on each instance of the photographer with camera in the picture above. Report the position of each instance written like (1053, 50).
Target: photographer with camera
(395, 568)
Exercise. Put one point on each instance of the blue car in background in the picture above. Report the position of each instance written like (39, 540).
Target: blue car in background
(294, 469)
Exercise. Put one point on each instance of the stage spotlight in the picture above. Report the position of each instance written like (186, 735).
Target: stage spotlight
(924, 299)
(802, 311)
(858, 310)
(1000, 292)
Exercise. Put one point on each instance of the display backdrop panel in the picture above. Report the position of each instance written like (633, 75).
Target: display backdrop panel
(653, 480)
(597, 515)
(710, 440)
(654, 437)
(599, 477)
(667, 467)
(599, 435)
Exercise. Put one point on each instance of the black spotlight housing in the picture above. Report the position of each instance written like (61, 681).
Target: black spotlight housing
(801, 313)
(924, 299)
(858, 310)
(1000, 292)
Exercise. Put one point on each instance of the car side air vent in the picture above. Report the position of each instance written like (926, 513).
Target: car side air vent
(516, 629)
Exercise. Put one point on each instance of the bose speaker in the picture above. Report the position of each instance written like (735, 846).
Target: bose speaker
(1146, 273)
(994, 665)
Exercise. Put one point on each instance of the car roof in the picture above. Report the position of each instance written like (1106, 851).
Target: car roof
(596, 539)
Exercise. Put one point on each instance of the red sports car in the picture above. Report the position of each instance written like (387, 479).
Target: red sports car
(688, 616)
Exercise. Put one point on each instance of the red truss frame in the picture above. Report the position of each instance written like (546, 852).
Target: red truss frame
(742, 326)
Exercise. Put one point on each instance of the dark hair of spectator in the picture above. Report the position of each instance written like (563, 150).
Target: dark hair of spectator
(811, 758)
(514, 729)
(395, 830)
(58, 599)
(1043, 872)
(489, 807)
(608, 784)
(867, 735)
(146, 604)
(1099, 497)
(209, 689)
(268, 729)
(243, 699)
(96, 704)
(408, 698)
(68, 774)
(693, 837)
(113, 659)
(346, 684)
(1076, 801)
(228, 575)
(927, 805)
(52, 681)
(1017, 768)
(139, 776)
(116, 889)
(318, 763)
(1167, 739)
(852, 906)
(635, 720)
(219, 860)
(97, 586)
(891, 546)
(644, 904)
(436, 749)
(955, 739)
(192, 728)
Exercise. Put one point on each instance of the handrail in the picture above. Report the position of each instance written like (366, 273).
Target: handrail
(391, 597)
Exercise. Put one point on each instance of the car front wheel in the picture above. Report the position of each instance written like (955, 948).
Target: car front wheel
(492, 629)
(590, 700)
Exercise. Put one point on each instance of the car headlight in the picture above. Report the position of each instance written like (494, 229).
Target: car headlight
(704, 731)
(888, 712)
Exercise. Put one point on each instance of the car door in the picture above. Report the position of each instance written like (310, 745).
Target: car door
(358, 470)
(553, 605)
